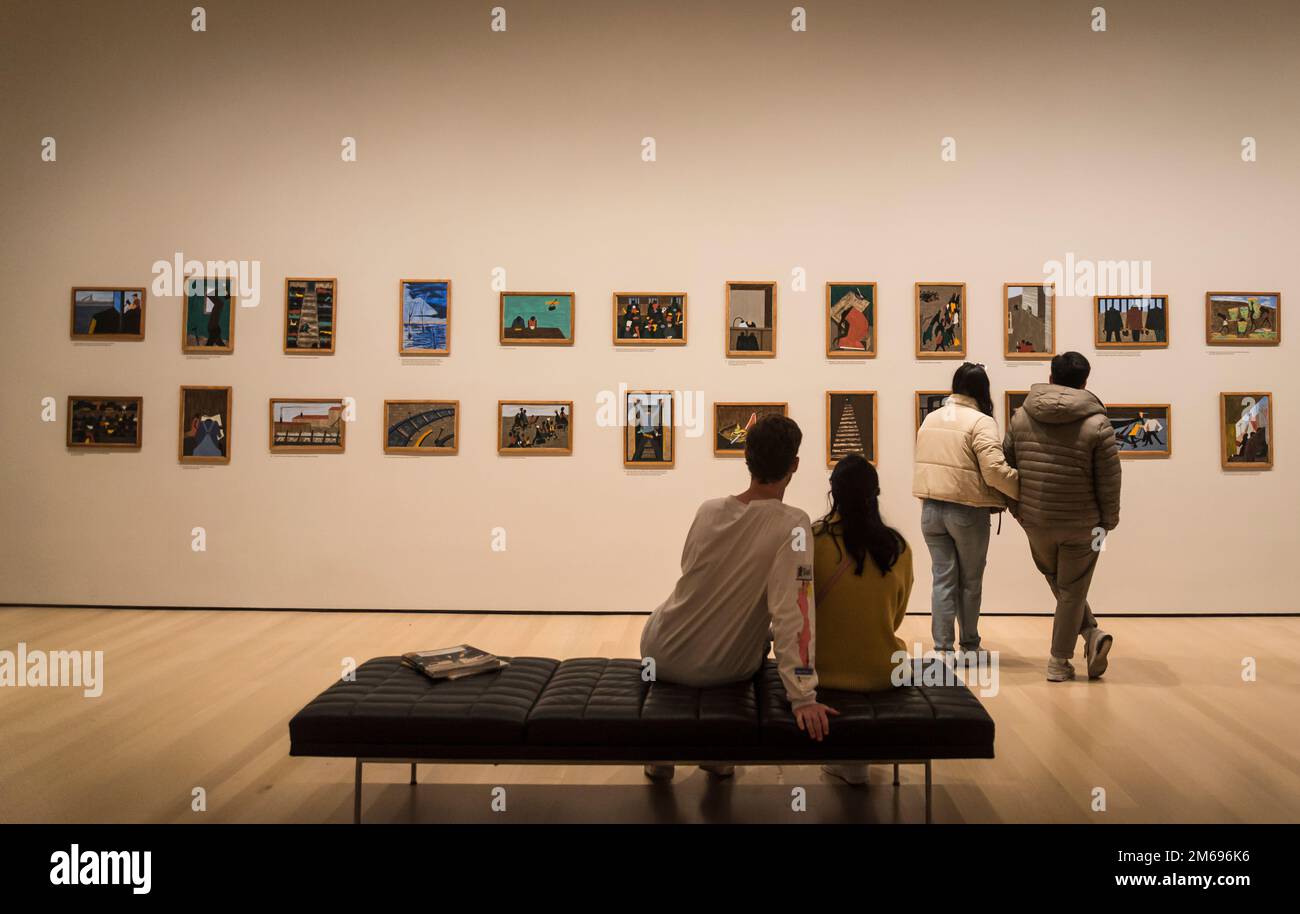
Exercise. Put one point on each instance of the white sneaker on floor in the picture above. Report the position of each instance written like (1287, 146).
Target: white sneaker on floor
(1095, 648)
(853, 775)
(1059, 670)
(660, 772)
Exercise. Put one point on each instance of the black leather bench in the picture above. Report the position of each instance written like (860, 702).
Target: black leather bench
(600, 711)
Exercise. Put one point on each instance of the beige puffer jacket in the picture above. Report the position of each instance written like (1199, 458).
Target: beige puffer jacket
(1064, 447)
(959, 459)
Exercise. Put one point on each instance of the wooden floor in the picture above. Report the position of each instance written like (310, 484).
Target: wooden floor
(203, 699)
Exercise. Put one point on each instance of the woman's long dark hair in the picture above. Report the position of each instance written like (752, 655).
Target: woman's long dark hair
(855, 516)
(972, 381)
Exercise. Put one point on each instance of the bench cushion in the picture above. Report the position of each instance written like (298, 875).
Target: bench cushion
(600, 710)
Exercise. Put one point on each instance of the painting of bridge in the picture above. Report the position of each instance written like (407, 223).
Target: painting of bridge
(421, 426)
(309, 315)
(308, 426)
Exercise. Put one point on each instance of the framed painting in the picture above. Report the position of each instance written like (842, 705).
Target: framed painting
(424, 317)
(204, 427)
(1243, 318)
(1246, 430)
(731, 423)
(537, 318)
(308, 425)
(941, 320)
(1130, 321)
(851, 320)
(751, 320)
(648, 438)
(106, 422)
(310, 315)
(107, 313)
(209, 317)
(1012, 400)
(928, 401)
(421, 427)
(851, 424)
(1142, 429)
(1029, 310)
(649, 318)
(542, 427)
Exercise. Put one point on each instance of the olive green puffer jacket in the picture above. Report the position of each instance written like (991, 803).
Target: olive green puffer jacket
(1064, 447)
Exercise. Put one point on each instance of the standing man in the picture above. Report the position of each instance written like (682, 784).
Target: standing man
(747, 569)
(1064, 447)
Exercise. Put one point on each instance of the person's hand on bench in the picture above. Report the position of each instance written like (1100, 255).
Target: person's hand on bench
(813, 718)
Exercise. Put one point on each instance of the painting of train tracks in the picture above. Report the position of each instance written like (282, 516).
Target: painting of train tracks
(850, 424)
(731, 422)
(308, 426)
(309, 313)
(539, 427)
(421, 426)
(107, 422)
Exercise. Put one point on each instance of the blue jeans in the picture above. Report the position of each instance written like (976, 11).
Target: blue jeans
(958, 537)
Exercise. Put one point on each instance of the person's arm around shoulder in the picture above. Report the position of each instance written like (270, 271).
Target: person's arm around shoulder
(792, 607)
(995, 469)
(1106, 474)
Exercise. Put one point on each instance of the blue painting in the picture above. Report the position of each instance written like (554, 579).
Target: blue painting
(426, 317)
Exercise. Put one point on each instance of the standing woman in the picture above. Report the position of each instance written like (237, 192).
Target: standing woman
(961, 478)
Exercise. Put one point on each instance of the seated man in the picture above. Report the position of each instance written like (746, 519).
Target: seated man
(747, 565)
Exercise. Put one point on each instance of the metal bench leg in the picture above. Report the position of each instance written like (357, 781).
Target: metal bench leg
(356, 796)
(927, 791)
(412, 772)
(895, 774)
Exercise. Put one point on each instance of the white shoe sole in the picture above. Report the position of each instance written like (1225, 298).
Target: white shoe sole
(1097, 663)
(841, 776)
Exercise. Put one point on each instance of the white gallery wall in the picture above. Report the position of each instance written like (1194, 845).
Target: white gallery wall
(776, 151)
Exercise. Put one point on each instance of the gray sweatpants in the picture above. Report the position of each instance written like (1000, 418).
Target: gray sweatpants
(1067, 559)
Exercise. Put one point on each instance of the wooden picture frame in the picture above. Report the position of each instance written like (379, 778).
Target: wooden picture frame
(310, 447)
(129, 445)
(333, 318)
(1130, 454)
(651, 341)
(140, 298)
(403, 347)
(505, 334)
(1049, 332)
(186, 317)
(1211, 339)
(1271, 443)
(963, 324)
(873, 322)
(225, 427)
(1008, 407)
(667, 429)
(874, 457)
(927, 393)
(750, 285)
(1100, 334)
(421, 425)
(769, 408)
(530, 451)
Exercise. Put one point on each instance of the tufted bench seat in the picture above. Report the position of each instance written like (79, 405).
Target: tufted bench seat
(600, 711)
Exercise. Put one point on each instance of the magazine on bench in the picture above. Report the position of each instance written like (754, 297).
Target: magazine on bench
(453, 662)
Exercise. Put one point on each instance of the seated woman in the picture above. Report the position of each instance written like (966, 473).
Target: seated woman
(862, 572)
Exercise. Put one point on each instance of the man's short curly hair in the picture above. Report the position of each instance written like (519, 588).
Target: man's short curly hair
(771, 446)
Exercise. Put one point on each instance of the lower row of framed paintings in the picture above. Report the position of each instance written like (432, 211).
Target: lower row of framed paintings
(313, 425)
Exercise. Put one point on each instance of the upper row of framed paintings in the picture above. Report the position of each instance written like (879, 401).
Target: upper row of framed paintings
(659, 318)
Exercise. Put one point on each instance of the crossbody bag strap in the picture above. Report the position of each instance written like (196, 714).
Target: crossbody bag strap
(825, 591)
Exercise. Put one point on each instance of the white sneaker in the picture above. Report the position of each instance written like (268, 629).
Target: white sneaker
(1095, 648)
(1059, 670)
(660, 772)
(853, 775)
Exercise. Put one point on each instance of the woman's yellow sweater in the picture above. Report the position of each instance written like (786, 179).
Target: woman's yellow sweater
(857, 622)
